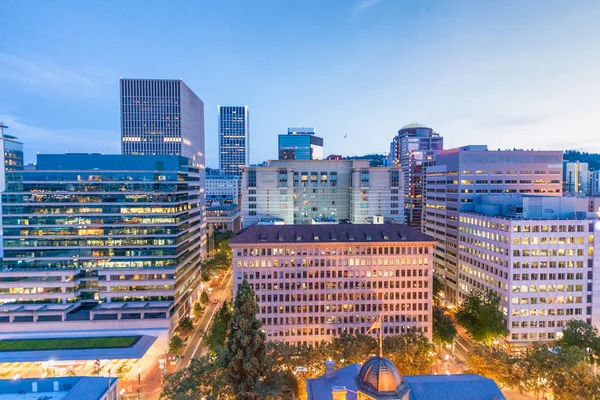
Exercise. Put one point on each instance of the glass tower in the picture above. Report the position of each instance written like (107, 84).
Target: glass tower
(234, 139)
(300, 144)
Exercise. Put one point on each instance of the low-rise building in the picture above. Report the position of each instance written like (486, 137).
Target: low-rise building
(313, 282)
(66, 388)
(224, 189)
(226, 217)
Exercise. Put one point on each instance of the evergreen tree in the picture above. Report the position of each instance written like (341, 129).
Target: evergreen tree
(217, 333)
(245, 348)
(175, 345)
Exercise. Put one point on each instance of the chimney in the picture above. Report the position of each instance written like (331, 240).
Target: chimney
(329, 369)
(338, 393)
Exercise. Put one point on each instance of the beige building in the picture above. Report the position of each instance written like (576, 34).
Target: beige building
(321, 192)
(313, 282)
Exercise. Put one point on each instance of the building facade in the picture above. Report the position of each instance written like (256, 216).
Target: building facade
(595, 183)
(300, 144)
(576, 178)
(226, 217)
(234, 139)
(94, 239)
(12, 151)
(321, 191)
(462, 174)
(413, 150)
(224, 189)
(313, 282)
(538, 254)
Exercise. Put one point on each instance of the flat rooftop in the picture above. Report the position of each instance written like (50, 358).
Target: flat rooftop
(63, 388)
(359, 233)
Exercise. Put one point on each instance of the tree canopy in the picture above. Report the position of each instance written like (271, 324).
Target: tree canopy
(481, 316)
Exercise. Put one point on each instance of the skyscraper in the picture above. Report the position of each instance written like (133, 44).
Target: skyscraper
(413, 149)
(576, 178)
(300, 144)
(162, 117)
(234, 139)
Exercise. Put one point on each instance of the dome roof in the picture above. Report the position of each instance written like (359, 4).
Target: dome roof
(414, 125)
(380, 376)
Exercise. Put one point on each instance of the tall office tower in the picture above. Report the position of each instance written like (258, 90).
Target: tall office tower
(539, 254)
(313, 282)
(595, 183)
(234, 139)
(91, 240)
(576, 178)
(462, 174)
(413, 150)
(300, 144)
(12, 152)
(321, 192)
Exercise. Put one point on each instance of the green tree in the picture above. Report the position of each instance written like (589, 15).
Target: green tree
(203, 378)
(436, 286)
(175, 345)
(444, 330)
(412, 353)
(245, 347)
(216, 335)
(494, 364)
(198, 309)
(351, 349)
(481, 316)
(582, 335)
(578, 383)
(186, 324)
(204, 298)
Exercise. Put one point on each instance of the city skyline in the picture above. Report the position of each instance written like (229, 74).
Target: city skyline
(501, 69)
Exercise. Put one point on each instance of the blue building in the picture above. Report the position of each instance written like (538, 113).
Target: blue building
(68, 388)
(378, 379)
(234, 139)
(300, 144)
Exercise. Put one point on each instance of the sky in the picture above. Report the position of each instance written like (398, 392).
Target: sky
(509, 74)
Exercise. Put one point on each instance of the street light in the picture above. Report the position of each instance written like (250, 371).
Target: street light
(139, 378)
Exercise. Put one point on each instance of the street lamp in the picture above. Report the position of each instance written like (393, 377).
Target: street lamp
(139, 370)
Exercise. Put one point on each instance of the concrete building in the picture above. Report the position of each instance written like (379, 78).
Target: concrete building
(64, 388)
(226, 217)
(300, 144)
(379, 379)
(538, 254)
(313, 282)
(234, 139)
(576, 178)
(12, 152)
(321, 191)
(101, 243)
(462, 174)
(595, 183)
(413, 150)
(224, 189)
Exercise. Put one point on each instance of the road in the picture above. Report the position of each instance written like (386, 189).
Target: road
(194, 347)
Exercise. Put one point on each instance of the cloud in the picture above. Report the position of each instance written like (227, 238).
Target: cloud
(42, 73)
(363, 5)
(46, 140)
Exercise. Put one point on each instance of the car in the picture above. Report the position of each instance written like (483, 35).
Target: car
(215, 301)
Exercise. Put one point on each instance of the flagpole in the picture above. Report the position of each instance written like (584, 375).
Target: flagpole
(380, 337)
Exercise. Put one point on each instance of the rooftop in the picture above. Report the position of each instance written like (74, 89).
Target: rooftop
(362, 233)
(66, 388)
(414, 126)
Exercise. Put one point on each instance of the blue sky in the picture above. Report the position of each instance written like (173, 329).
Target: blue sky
(522, 74)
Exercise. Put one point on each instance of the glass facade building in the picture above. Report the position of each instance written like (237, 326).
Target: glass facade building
(234, 139)
(300, 144)
(86, 229)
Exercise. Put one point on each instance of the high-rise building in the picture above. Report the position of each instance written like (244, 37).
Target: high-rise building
(234, 139)
(413, 150)
(91, 240)
(594, 183)
(12, 152)
(300, 144)
(162, 117)
(321, 191)
(313, 282)
(462, 174)
(538, 254)
(576, 178)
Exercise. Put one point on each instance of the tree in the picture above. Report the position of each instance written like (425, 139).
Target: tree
(582, 335)
(412, 353)
(436, 286)
(175, 345)
(186, 324)
(444, 330)
(245, 348)
(203, 378)
(204, 298)
(481, 316)
(198, 309)
(351, 349)
(494, 364)
(216, 335)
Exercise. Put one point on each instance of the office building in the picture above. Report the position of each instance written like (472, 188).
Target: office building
(313, 282)
(91, 240)
(576, 178)
(162, 117)
(300, 144)
(224, 217)
(379, 379)
(462, 174)
(12, 151)
(538, 253)
(595, 183)
(234, 139)
(321, 191)
(223, 189)
(60, 388)
(413, 150)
